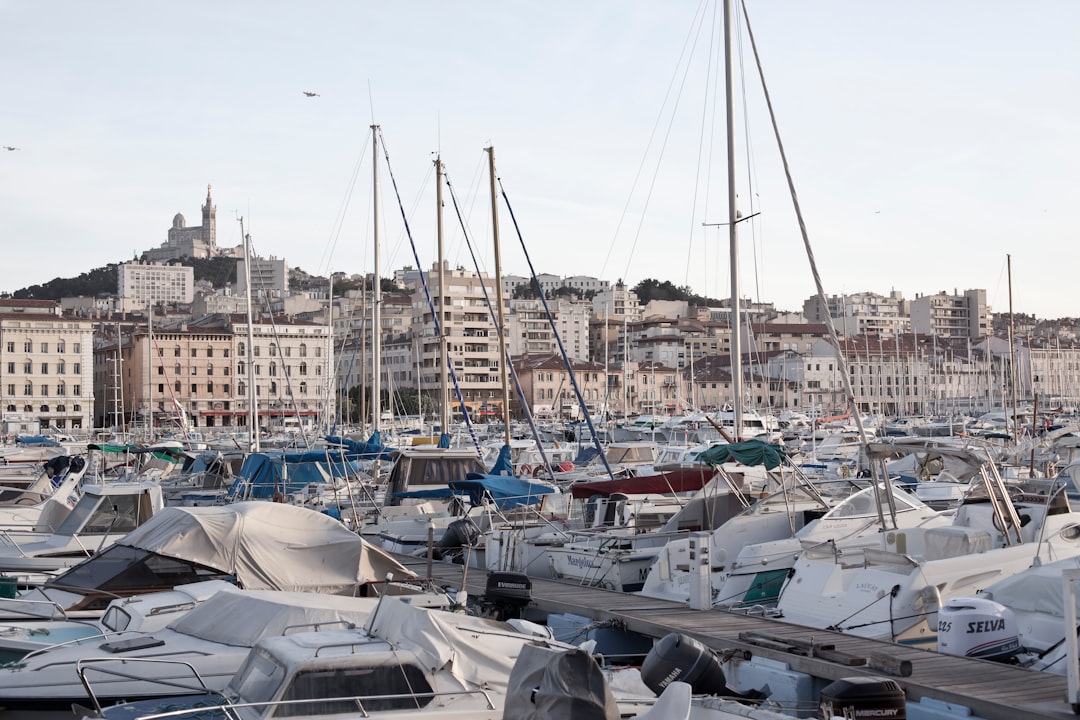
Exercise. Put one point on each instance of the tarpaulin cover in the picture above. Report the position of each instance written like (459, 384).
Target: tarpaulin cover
(268, 546)
(372, 449)
(750, 452)
(505, 491)
(264, 474)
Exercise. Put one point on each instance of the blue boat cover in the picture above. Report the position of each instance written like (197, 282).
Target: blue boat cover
(373, 449)
(505, 491)
(264, 474)
(35, 440)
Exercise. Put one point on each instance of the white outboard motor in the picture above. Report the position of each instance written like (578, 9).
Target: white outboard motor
(977, 628)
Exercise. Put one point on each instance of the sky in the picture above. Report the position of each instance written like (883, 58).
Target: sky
(931, 144)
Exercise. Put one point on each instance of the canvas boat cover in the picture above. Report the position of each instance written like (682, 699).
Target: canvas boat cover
(474, 650)
(243, 617)
(750, 452)
(684, 480)
(549, 684)
(268, 546)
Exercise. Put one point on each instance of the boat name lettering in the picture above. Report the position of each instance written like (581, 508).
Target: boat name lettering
(986, 626)
(580, 561)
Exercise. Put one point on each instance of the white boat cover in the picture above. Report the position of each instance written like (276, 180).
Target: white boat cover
(1038, 589)
(243, 617)
(473, 649)
(268, 546)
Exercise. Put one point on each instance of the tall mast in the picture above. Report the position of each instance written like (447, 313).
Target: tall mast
(442, 361)
(376, 297)
(733, 232)
(503, 360)
(253, 396)
(150, 373)
(1012, 354)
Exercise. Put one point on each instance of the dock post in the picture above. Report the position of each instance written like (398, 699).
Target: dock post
(700, 571)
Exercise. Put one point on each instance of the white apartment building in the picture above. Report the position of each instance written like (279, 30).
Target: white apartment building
(268, 277)
(46, 365)
(141, 284)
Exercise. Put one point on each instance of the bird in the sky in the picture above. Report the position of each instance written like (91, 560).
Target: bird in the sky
(308, 93)
(9, 148)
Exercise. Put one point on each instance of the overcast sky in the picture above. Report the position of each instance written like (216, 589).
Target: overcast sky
(927, 140)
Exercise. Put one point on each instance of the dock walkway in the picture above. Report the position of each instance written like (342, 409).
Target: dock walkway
(991, 690)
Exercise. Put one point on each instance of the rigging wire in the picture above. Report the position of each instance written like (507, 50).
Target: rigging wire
(649, 143)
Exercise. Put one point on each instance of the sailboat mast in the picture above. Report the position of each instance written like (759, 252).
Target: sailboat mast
(1012, 354)
(253, 398)
(150, 373)
(504, 375)
(443, 360)
(733, 231)
(376, 296)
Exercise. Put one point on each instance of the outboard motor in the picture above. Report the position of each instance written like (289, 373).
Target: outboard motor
(978, 628)
(863, 697)
(505, 595)
(678, 657)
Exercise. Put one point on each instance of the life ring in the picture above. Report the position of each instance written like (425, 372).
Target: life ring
(537, 470)
(525, 470)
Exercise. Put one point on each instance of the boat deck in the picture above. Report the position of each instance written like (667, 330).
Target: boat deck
(991, 690)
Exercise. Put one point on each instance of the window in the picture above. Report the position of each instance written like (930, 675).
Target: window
(61, 389)
(303, 368)
(194, 370)
(44, 347)
(44, 408)
(303, 349)
(257, 351)
(75, 347)
(11, 347)
(44, 368)
(160, 370)
(11, 368)
(161, 388)
(28, 367)
(11, 391)
(303, 388)
(318, 351)
(194, 388)
(60, 347)
(28, 346)
(176, 351)
(225, 352)
(273, 388)
(176, 386)
(28, 389)
(241, 388)
(76, 408)
(61, 367)
(194, 352)
(161, 352)
(273, 350)
(209, 352)
(209, 388)
(240, 349)
(273, 369)
(225, 391)
(209, 369)
(288, 351)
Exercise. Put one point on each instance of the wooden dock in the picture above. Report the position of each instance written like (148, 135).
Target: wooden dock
(991, 690)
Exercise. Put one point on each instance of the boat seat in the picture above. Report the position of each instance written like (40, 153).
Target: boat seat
(948, 542)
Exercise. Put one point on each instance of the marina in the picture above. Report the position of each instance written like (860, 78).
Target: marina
(990, 690)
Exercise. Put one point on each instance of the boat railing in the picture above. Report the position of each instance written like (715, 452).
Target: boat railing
(84, 665)
(13, 605)
(228, 708)
(319, 626)
(104, 635)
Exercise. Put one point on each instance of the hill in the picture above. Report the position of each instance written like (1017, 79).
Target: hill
(219, 272)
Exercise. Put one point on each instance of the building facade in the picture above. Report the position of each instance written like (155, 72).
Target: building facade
(46, 365)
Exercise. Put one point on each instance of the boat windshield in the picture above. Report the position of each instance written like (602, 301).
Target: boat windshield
(124, 570)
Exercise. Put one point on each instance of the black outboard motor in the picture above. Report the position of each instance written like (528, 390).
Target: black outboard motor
(863, 697)
(505, 595)
(678, 657)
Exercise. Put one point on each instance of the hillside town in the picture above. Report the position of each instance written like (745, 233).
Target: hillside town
(167, 350)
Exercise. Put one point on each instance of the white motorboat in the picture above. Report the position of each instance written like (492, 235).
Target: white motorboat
(213, 638)
(406, 662)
